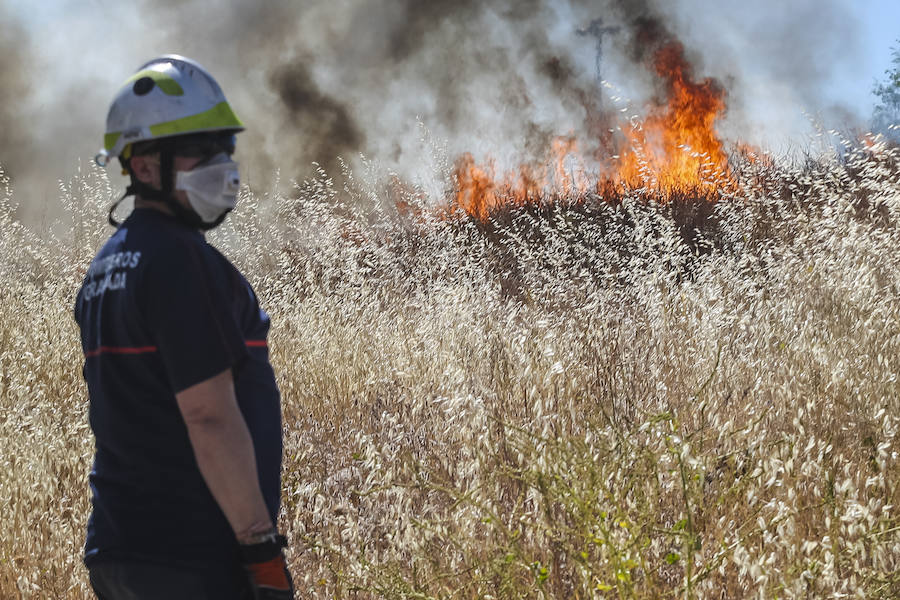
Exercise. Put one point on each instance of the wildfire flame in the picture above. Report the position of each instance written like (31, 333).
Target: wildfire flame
(675, 148)
(480, 191)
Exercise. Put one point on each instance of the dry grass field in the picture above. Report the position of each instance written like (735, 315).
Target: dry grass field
(584, 399)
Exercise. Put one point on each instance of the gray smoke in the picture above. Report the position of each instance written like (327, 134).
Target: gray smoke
(14, 95)
(777, 61)
(319, 80)
(327, 123)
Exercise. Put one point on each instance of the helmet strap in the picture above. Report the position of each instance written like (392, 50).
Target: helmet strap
(110, 218)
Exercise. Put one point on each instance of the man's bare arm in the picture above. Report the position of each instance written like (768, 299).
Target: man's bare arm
(224, 452)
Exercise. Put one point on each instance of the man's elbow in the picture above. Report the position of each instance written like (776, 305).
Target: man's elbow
(210, 404)
(204, 420)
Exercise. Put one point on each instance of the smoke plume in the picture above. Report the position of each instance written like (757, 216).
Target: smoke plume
(337, 78)
(14, 93)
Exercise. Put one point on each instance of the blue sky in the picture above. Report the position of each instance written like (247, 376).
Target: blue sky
(880, 21)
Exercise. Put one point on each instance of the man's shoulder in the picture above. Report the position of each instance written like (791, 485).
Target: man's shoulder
(155, 225)
(160, 237)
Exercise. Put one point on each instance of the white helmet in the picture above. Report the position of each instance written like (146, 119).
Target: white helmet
(170, 95)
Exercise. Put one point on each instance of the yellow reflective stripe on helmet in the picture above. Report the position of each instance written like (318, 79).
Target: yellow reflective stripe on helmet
(162, 80)
(110, 139)
(219, 116)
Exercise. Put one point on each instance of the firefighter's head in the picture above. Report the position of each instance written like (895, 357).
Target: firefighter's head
(173, 132)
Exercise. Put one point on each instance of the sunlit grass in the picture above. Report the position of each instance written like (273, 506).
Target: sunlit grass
(570, 403)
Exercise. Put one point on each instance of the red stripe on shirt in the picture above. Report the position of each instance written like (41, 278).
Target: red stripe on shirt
(149, 349)
(120, 350)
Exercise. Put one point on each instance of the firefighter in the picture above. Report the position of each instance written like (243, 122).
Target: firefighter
(184, 406)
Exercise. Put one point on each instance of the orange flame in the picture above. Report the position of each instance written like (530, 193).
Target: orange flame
(479, 191)
(675, 148)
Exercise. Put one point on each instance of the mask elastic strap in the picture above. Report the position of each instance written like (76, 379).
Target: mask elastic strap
(167, 173)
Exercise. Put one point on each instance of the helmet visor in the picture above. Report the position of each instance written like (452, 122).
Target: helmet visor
(205, 145)
(199, 145)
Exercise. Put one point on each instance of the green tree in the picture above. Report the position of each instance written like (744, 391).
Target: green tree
(887, 111)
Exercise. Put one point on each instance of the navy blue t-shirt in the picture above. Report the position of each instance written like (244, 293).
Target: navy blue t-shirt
(161, 310)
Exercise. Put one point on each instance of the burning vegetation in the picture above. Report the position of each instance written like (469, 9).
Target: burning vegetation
(676, 146)
(673, 150)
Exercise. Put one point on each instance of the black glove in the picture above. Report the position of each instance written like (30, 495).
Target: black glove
(266, 568)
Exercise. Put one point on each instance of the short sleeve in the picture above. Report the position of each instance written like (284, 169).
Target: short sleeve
(187, 304)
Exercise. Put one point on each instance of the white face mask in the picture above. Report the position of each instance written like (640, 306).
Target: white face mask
(212, 188)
